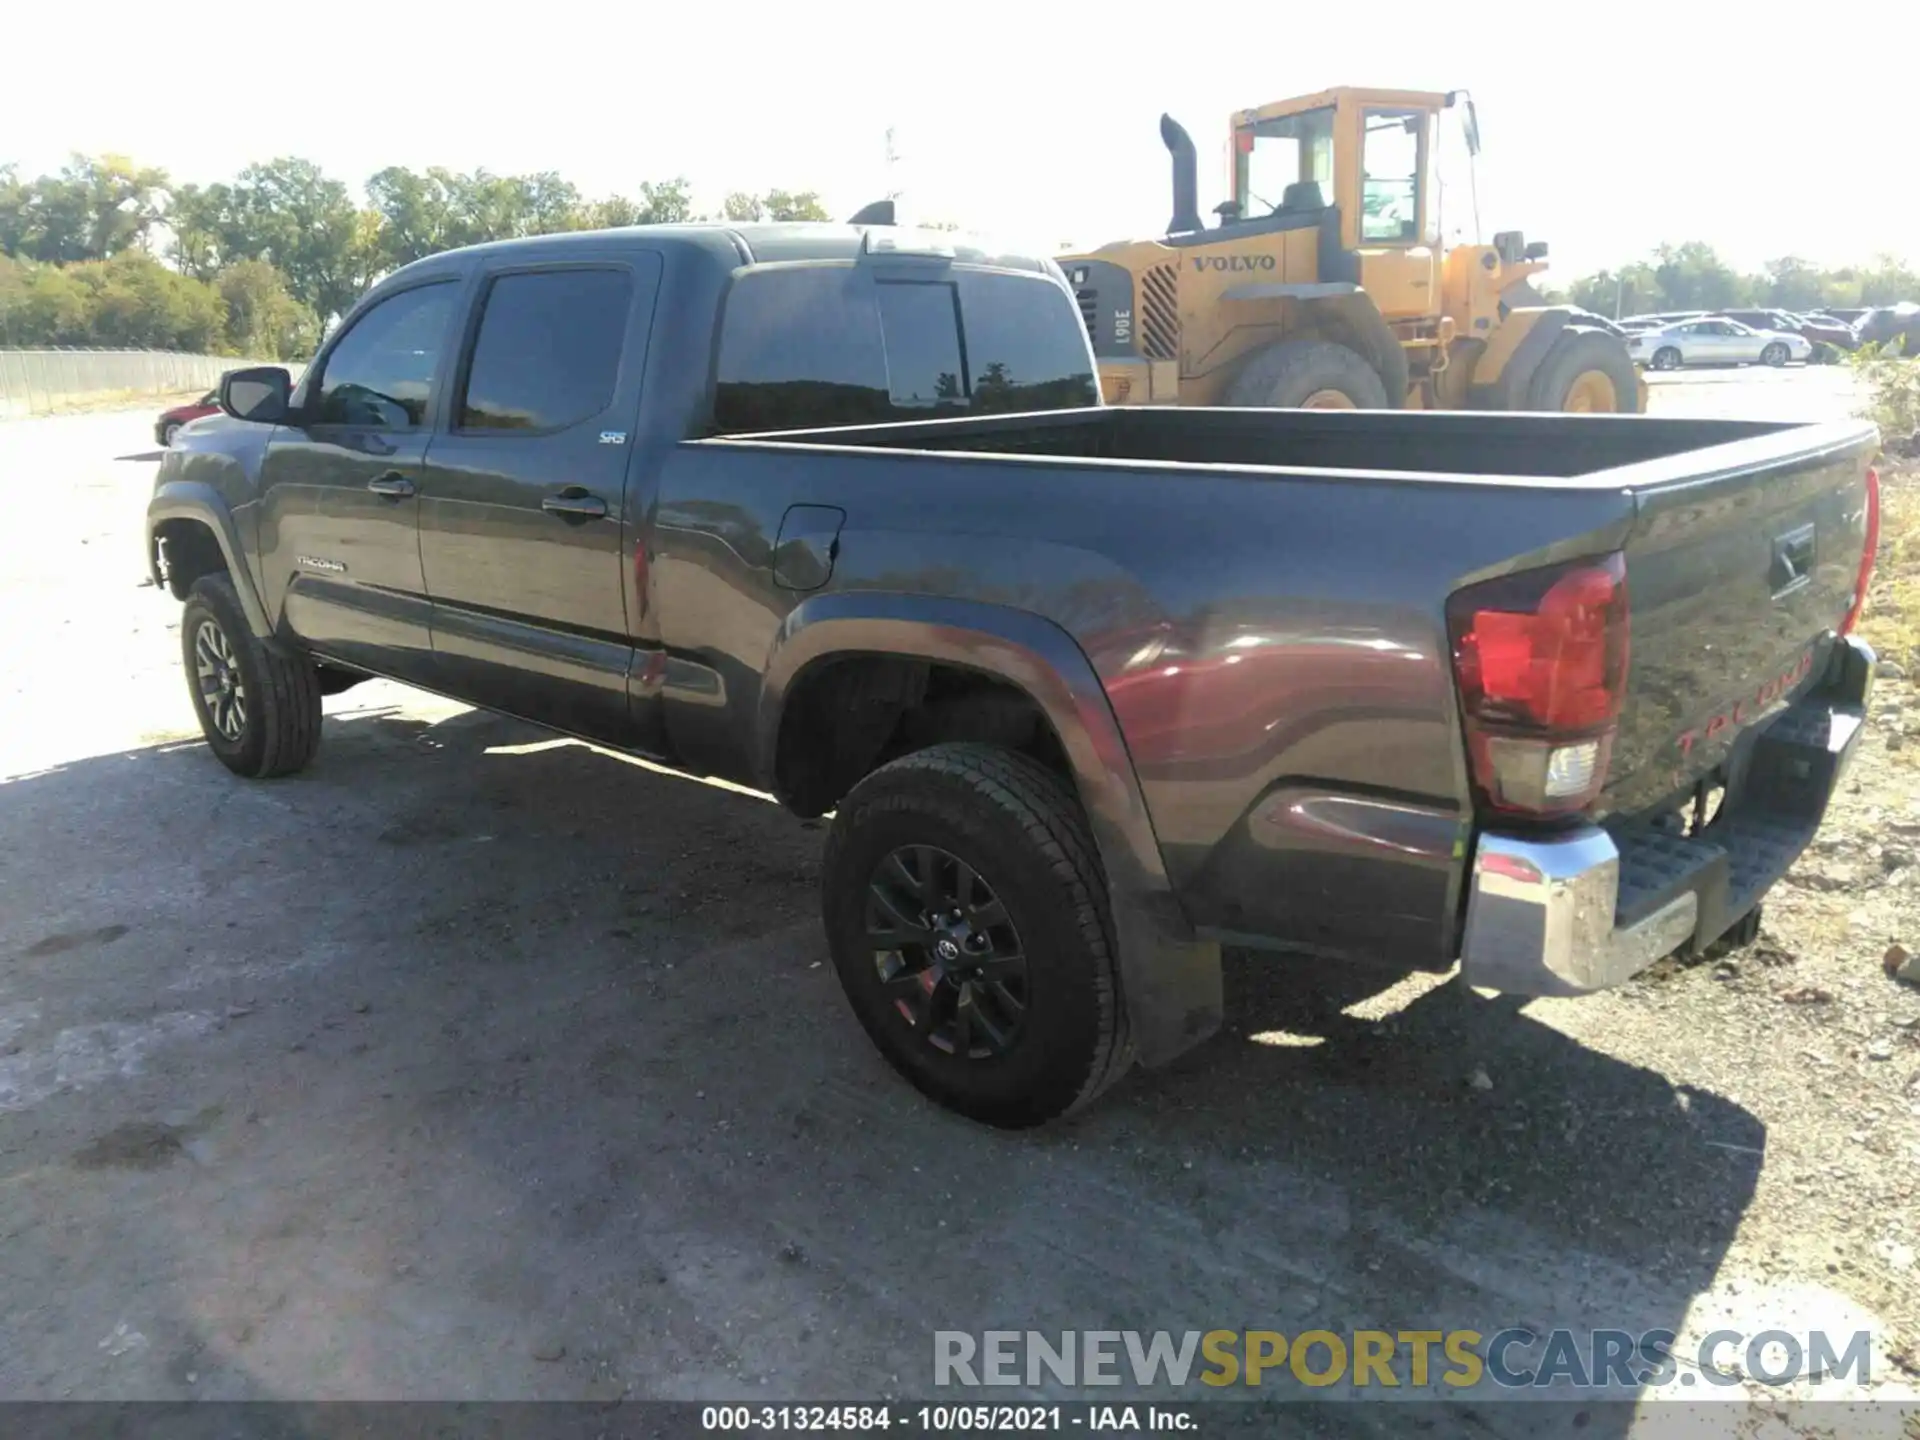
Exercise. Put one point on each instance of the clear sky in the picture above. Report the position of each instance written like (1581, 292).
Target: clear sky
(1606, 129)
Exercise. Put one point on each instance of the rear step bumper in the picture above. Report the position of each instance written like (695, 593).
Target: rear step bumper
(1584, 909)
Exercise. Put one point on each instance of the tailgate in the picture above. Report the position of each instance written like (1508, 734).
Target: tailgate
(1737, 580)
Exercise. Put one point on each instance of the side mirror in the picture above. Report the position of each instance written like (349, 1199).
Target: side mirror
(261, 393)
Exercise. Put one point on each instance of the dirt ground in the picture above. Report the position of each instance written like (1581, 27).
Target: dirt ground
(477, 1064)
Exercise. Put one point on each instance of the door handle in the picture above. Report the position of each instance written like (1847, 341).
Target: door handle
(1793, 557)
(393, 484)
(573, 501)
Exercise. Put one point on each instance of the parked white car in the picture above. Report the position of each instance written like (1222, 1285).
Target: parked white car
(1715, 341)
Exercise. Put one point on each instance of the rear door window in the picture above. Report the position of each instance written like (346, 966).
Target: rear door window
(827, 345)
(548, 350)
(800, 347)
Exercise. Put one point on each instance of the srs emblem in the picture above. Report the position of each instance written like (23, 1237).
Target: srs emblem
(311, 562)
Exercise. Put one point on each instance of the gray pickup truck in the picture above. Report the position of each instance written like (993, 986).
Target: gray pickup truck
(1090, 692)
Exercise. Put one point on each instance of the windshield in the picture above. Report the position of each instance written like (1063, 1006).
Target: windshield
(1271, 155)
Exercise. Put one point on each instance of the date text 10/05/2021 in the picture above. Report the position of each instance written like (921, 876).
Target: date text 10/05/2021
(951, 1419)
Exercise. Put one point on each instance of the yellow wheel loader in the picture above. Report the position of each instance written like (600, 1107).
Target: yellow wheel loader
(1325, 283)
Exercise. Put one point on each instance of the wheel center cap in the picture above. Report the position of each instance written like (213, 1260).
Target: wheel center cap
(947, 950)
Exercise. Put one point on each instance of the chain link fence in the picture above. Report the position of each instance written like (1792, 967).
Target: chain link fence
(37, 382)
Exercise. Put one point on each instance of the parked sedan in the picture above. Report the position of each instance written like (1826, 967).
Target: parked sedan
(170, 421)
(1819, 329)
(1714, 341)
(1825, 330)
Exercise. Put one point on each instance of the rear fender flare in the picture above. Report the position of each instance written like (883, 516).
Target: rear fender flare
(1170, 979)
(201, 503)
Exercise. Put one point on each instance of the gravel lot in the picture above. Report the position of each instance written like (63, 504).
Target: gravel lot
(473, 1063)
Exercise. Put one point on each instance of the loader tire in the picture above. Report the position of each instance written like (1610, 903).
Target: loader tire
(1587, 372)
(1308, 375)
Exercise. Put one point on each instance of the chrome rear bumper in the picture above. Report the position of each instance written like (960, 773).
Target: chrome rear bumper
(1584, 909)
(1540, 917)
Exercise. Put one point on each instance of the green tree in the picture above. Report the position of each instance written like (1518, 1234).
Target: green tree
(57, 308)
(287, 212)
(665, 202)
(1692, 276)
(609, 214)
(790, 205)
(740, 207)
(263, 318)
(1794, 284)
(416, 213)
(96, 207)
(422, 213)
(1629, 290)
(1888, 280)
(16, 199)
(133, 300)
(40, 305)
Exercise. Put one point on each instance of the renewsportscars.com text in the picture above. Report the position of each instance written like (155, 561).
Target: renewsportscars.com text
(1385, 1359)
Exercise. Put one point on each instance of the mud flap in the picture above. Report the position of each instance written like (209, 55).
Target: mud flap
(1171, 986)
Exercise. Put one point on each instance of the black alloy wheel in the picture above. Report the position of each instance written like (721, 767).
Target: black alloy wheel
(946, 953)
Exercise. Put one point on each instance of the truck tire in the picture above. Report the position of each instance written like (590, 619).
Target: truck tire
(1308, 375)
(966, 912)
(1588, 372)
(259, 710)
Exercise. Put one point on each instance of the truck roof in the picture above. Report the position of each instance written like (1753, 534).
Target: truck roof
(762, 242)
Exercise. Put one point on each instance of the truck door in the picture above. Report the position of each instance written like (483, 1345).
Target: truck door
(523, 502)
(338, 547)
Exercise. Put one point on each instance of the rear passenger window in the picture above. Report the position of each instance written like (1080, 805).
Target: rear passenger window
(820, 345)
(548, 350)
(920, 325)
(800, 347)
(1023, 353)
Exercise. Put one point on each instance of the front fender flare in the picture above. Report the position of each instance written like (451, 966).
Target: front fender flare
(1170, 980)
(201, 503)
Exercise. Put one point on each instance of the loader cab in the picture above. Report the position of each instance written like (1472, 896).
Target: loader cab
(1372, 153)
(1365, 156)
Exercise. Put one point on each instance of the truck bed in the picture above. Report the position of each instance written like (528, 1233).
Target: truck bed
(1742, 539)
(1482, 445)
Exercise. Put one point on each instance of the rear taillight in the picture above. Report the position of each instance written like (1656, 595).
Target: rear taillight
(1540, 659)
(1866, 555)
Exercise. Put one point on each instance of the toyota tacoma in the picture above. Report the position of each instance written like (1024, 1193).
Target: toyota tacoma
(834, 512)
